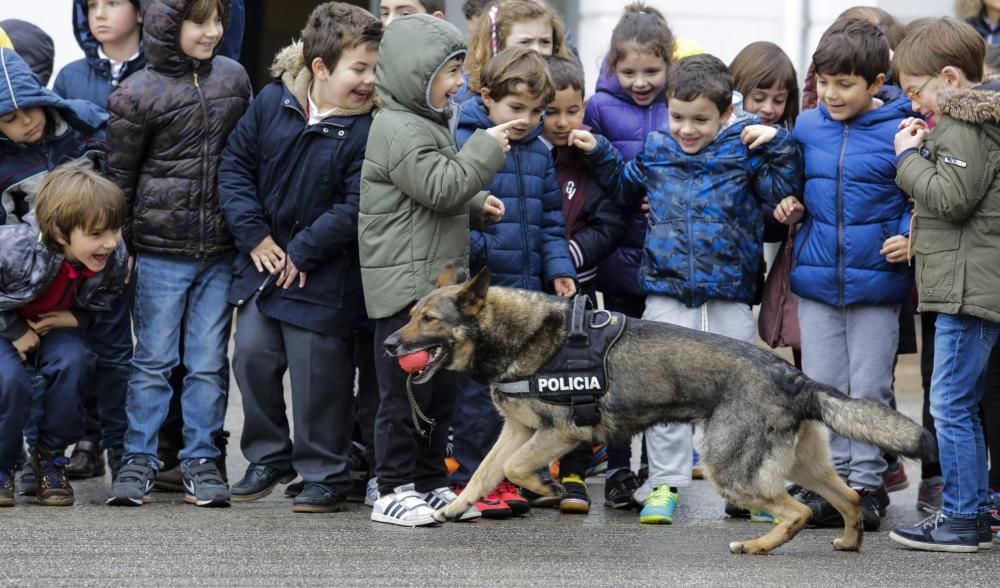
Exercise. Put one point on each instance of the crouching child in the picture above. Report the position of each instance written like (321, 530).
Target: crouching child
(65, 262)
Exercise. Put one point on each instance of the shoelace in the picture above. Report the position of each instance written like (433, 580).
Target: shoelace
(507, 487)
(932, 522)
(52, 471)
(661, 496)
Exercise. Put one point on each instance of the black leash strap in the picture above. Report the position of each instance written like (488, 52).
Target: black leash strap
(417, 414)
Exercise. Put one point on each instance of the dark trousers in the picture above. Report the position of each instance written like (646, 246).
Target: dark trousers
(66, 363)
(401, 455)
(476, 426)
(927, 320)
(366, 399)
(620, 453)
(105, 421)
(321, 371)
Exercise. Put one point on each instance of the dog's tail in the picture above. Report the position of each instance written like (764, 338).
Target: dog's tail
(870, 422)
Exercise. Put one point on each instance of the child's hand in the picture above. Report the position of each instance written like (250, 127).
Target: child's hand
(564, 287)
(583, 140)
(493, 209)
(757, 135)
(267, 255)
(645, 206)
(911, 136)
(499, 132)
(913, 121)
(288, 275)
(60, 319)
(789, 211)
(26, 343)
(896, 249)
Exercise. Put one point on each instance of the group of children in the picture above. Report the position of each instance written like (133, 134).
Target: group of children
(383, 151)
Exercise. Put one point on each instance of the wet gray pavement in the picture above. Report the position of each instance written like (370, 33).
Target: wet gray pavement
(264, 543)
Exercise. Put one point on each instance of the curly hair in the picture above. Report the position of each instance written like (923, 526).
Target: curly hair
(508, 13)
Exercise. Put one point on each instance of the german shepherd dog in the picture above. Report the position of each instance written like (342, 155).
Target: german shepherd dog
(762, 418)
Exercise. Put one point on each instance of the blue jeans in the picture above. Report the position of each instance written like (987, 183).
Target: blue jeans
(962, 347)
(171, 292)
(66, 364)
(111, 339)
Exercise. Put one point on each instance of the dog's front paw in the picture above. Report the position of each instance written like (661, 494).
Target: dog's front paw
(841, 545)
(553, 488)
(449, 513)
(736, 547)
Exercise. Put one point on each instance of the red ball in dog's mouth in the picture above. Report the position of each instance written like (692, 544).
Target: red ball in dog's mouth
(414, 362)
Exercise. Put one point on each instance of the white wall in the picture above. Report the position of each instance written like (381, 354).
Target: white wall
(723, 27)
(55, 17)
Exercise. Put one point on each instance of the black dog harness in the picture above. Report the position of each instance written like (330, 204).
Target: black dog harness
(577, 374)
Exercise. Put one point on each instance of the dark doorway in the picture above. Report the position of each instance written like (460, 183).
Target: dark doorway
(270, 26)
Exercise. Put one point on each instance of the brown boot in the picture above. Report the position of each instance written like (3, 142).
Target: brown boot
(7, 488)
(87, 461)
(53, 486)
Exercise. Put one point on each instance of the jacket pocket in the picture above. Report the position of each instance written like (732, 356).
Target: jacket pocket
(937, 259)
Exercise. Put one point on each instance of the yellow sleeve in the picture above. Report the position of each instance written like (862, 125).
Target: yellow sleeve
(5, 40)
(685, 48)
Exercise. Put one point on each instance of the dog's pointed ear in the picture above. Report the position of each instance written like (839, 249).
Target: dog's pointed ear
(472, 296)
(448, 276)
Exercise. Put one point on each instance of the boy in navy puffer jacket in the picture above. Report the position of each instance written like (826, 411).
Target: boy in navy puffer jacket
(527, 249)
(704, 243)
(847, 271)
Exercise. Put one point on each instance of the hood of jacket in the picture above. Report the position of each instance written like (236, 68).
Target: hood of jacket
(472, 115)
(161, 37)
(979, 106)
(419, 46)
(33, 44)
(19, 88)
(289, 67)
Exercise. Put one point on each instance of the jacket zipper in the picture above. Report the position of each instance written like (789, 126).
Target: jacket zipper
(840, 216)
(526, 254)
(204, 169)
(690, 230)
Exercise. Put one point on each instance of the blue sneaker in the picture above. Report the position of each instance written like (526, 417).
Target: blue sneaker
(939, 533)
(659, 507)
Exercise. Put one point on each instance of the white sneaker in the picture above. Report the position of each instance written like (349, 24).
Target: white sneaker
(443, 496)
(404, 507)
(371, 492)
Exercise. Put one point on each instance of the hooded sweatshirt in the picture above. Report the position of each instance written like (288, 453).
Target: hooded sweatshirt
(417, 189)
(168, 125)
(955, 182)
(91, 78)
(33, 44)
(74, 134)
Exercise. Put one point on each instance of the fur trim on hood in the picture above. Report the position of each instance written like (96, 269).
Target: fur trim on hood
(976, 106)
(290, 68)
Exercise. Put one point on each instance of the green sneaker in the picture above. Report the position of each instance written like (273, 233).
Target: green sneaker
(658, 509)
(762, 516)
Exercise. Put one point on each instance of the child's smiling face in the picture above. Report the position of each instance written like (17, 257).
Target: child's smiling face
(642, 75)
(518, 105)
(447, 83)
(767, 103)
(562, 115)
(847, 95)
(199, 39)
(91, 247)
(695, 123)
(351, 82)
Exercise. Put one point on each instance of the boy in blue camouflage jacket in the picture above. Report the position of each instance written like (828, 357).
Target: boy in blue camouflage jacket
(705, 177)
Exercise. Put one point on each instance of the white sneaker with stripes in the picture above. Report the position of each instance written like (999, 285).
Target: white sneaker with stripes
(405, 507)
(443, 496)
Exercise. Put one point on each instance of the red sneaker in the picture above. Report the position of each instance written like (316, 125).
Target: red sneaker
(491, 505)
(508, 493)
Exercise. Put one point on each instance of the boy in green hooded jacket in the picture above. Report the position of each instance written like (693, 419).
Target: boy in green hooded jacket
(419, 193)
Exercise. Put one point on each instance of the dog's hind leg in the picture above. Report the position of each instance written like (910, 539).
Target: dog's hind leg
(812, 470)
(490, 472)
(544, 447)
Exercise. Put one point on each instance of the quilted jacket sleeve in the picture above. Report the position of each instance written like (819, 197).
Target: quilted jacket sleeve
(777, 169)
(128, 137)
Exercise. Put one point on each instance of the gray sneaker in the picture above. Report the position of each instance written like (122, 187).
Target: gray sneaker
(133, 484)
(203, 484)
